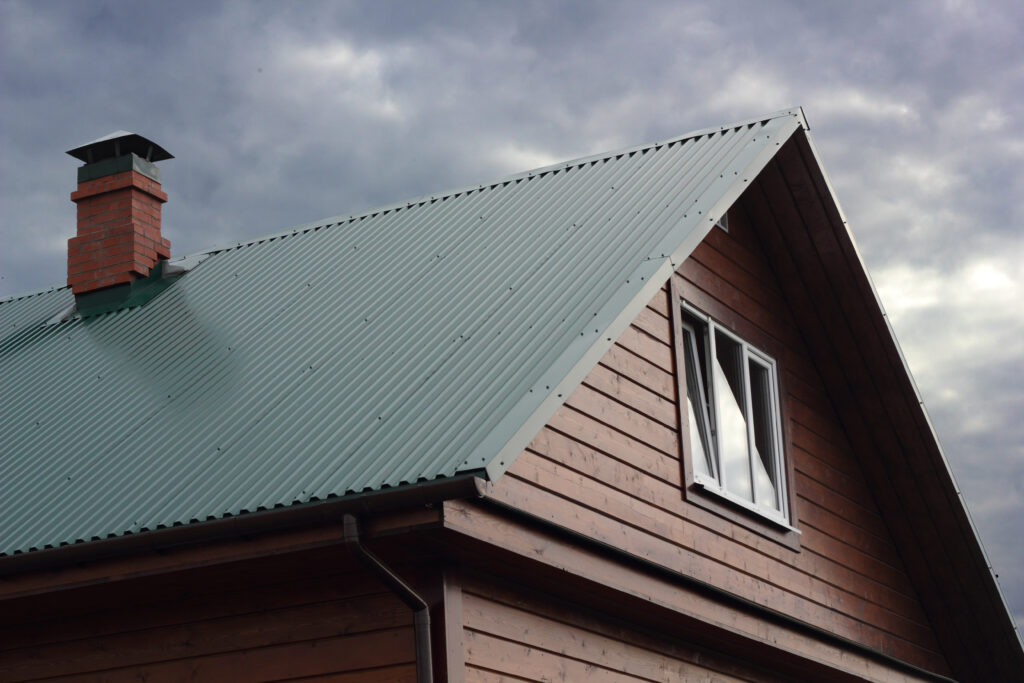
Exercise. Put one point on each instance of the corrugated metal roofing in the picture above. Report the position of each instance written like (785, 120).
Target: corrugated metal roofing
(418, 341)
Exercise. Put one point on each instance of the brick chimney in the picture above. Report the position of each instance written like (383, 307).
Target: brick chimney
(118, 200)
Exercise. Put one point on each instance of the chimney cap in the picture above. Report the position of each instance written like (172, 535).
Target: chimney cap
(117, 144)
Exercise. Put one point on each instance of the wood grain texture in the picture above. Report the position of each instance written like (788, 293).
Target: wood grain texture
(607, 465)
(547, 560)
(511, 631)
(264, 623)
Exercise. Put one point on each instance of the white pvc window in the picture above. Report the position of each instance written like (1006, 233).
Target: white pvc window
(735, 434)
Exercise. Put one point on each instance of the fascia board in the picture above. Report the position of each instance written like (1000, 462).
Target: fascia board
(519, 426)
(913, 383)
(720, 198)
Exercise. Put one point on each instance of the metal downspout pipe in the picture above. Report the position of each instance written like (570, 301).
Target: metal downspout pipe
(421, 611)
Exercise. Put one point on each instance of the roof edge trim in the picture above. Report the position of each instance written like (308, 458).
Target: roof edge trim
(621, 311)
(797, 112)
(913, 383)
(506, 449)
(462, 485)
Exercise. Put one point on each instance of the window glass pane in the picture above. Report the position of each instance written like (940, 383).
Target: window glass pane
(730, 398)
(700, 432)
(765, 474)
(701, 463)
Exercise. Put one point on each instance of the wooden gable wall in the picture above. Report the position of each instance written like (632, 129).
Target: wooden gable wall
(292, 616)
(608, 466)
(512, 633)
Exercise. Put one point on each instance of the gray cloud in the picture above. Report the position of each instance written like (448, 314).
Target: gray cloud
(282, 113)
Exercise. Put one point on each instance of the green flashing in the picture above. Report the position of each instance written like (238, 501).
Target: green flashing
(127, 162)
(127, 295)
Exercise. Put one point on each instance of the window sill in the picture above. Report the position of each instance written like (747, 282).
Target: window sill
(713, 488)
(709, 496)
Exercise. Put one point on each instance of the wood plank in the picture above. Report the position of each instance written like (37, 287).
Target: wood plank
(815, 414)
(864, 440)
(642, 487)
(627, 421)
(593, 435)
(694, 614)
(852, 348)
(442, 590)
(202, 637)
(647, 347)
(400, 673)
(653, 324)
(741, 248)
(585, 617)
(839, 459)
(841, 531)
(204, 601)
(763, 290)
(633, 396)
(641, 371)
(484, 650)
(659, 302)
(759, 579)
(819, 570)
(808, 389)
(170, 559)
(851, 511)
(291, 660)
(476, 674)
(567, 640)
(898, 410)
(719, 286)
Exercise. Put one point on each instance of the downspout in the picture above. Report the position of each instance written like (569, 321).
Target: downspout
(421, 611)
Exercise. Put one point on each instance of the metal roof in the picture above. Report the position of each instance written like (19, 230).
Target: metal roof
(418, 341)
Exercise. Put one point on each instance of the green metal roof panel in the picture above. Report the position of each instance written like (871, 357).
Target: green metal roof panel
(418, 341)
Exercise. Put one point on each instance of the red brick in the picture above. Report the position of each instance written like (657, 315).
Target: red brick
(118, 231)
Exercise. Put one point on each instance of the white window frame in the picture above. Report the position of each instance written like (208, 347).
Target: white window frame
(715, 483)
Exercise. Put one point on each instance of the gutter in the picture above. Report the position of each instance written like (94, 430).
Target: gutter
(421, 611)
(243, 525)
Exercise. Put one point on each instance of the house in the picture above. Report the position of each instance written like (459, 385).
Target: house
(638, 416)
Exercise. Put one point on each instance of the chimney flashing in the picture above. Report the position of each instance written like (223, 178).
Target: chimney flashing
(125, 295)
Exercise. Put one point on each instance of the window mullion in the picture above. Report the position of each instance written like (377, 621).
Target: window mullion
(776, 422)
(719, 472)
(748, 416)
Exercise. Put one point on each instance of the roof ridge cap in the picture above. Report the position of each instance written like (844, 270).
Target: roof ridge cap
(446, 194)
(529, 173)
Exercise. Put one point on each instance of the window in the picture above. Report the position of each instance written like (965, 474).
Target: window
(735, 429)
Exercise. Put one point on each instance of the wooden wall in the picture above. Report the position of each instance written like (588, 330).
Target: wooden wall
(516, 634)
(608, 465)
(297, 616)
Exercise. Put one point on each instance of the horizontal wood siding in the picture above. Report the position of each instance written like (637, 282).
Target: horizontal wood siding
(517, 635)
(607, 465)
(266, 620)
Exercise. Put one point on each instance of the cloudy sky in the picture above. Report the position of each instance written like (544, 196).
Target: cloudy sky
(282, 113)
